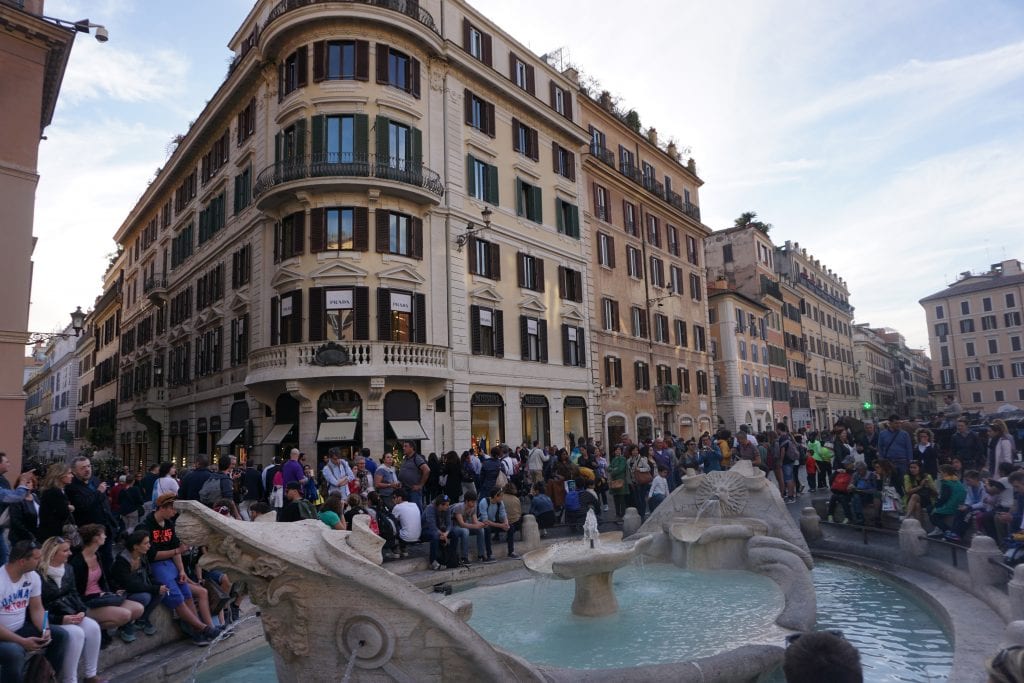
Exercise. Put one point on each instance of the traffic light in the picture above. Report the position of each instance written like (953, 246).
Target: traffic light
(867, 405)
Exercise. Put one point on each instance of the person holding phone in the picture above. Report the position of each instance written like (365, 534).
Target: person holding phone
(23, 627)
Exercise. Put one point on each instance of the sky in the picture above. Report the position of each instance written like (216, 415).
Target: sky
(886, 138)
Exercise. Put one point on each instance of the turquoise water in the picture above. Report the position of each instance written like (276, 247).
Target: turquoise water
(675, 615)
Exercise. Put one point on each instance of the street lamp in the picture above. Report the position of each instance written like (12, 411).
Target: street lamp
(77, 324)
(82, 26)
(462, 239)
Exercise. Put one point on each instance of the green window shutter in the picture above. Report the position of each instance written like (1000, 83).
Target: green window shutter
(558, 216)
(318, 135)
(492, 185)
(300, 139)
(416, 142)
(520, 209)
(470, 176)
(576, 222)
(383, 150)
(538, 206)
(361, 131)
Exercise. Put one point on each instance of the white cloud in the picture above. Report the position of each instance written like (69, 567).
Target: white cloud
(101, 72)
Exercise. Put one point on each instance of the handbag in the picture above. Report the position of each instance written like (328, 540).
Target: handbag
(70, 532)
(104, 600)
(616, 484)
(642, 477)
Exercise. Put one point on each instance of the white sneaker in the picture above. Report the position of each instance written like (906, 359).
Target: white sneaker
(435, 565)
(605, 508)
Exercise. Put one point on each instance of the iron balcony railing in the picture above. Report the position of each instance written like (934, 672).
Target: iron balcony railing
(348, 166)
(668, 394)
(648, 183)
(154, 283)
(602, 154)
(654, 187)
(410, 8)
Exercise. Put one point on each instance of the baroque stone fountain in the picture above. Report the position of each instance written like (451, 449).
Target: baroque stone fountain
(590, 563)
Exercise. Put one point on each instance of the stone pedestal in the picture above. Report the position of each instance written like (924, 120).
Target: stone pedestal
(810, 524)
(594, 596)
(630, 522)
(531, 534)
(911, 543)
(982, 571)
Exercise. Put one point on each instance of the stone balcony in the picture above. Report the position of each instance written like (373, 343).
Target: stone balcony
(365, 359)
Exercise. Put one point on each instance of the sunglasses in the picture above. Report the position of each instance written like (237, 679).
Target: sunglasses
(793, 637)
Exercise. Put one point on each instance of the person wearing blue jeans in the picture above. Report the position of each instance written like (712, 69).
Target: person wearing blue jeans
(437, 525)
(22, 624)
(469, 523)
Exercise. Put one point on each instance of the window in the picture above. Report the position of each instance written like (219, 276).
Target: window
(993, 346)
(181, 246)
(476, 42)
(487, 331)
(601, 209)
(969, 349)
(605, 250)
(573, 347)
(211, 218)
(568, 218)
(533, 337)
(570, 284)
(400, 234)
(1011, 319)
(696, 291)
(641, 375)
(966, 325)
(672, 240)
(241, 267)
(675, 280)
(243, 189)
(342, 139)
(341, 60)
(995, 371)
(743, 349)
(746, 384)
(941, 330)
(629, 218)
(681, 339)
(940, 312)
(186, 192)
(638, 321)
(965, 307)
(691, 251)
(245, 127)
(292, 72)
(986, 304)
(524, 140)
(661, 328)
(398, 70)
(653, 231)
(683, 379)
(976, 397)
(727, 253)
(531, 272)
(662, 375)
(210, 287)
(482, 180)
(564, 161)
(484, 258)
(286, 318)
(753, 353)
(208, 352)
(1015, 343)
(290, 236)
(561, 101)
(1017, 369)
(528, 202)
(401, 316)
(521, 73)
(479, 114)
(627, 161)
(239, 340)
(610, 315)
(612, 371)
(988, 322)
(289, 145)
(999, 395)
(699, 342)
(702, 382)
(1011, 300)
(657, 272)
(634, 266)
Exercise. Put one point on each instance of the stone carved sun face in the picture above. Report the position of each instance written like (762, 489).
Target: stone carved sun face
(724, 493)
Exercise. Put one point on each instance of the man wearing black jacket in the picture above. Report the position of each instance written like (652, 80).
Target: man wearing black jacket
(252, 489)
(92, 507)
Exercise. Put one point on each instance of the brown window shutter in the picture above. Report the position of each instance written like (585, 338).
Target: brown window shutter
(419, 314)
(571, 159)
(615, 316)
(554, 156)
(534, 145)
(296, 317)
(611, 251)
(414, 76)
(520, 274)
(494, 254)
(498, 323)
(275, 321)
(524, 337)
(362, 60)
(302, 66)
(565, 344)
(597, 204)
(471, 247)
(568, 105)
(360, 228)
(361, 308)
(561, 282)
(542, 339)
(551, 88)
(539, 268)
(579, 286)
(319, 61)
(467, 101)
(581, 356)
(383, 314)
(382, 63)
(317, 230)
(474, 330)
(486, 48)
(531, 86)
(383, 226)
(416, 246)
(608, 371)
(316, 314)
(299, 233)
(512, 61)
(618, 372)
(465, 34)
(491, 129)
(515, 135)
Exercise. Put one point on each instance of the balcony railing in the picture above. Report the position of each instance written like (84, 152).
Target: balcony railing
(771, 288)
(806, 281)
(410, 8)
(390, 356)
(654, 187)
(605, 155)
(157, 282)
(348, 166)
(648, 183)
(668, 395)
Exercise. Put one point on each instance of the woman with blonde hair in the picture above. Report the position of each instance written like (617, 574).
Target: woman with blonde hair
(67, 609)
(54, 508)
(1002, 448)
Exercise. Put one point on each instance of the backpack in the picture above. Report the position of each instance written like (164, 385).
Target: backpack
(748, 451)
(572, 501)
(210, 492)
(841, 481)
(790, 454)
(39, 670)
(306, 509)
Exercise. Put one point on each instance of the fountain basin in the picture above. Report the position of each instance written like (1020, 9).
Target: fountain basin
(712, 543)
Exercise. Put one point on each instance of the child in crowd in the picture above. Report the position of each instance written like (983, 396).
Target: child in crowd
(659, 489)
(812, 471)
(842, 484)
(952, 494)
(972, 507)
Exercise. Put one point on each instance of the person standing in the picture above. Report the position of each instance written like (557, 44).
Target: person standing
(252, 489)
(8, 495)
(967, 446)
(413, 473)
(895, 445)
(535, 463)
(91, 506)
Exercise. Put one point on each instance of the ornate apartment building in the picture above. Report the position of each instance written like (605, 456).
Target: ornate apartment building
(302, 271)
(975, 333)
(875, 374)
(651, 358)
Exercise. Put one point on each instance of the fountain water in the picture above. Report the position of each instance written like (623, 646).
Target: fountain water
(226, 633)
(590, 531)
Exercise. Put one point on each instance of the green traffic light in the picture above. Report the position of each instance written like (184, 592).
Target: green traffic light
(867, 405)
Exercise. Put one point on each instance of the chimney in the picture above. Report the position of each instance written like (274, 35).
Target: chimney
(652, 136)
(691, 165)
(606, 100)
(572, 74)
(672, 151)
